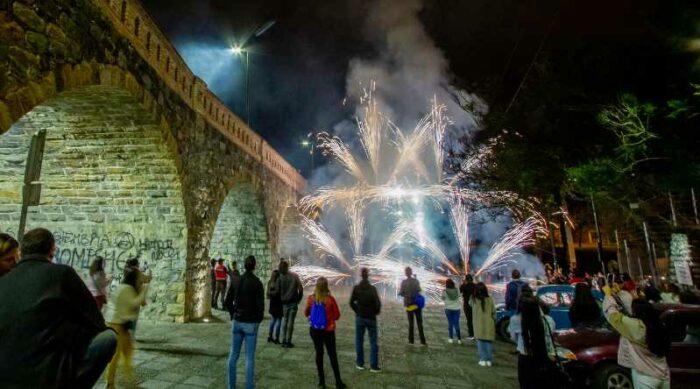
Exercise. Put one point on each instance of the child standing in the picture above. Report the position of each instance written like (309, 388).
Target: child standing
(450, 296)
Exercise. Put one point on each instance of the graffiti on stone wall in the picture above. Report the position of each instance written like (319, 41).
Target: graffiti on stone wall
(79, 249)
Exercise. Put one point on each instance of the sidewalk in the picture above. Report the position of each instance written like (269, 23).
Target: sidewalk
(173, 355)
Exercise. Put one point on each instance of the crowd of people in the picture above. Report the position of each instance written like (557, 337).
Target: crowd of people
(57, 330)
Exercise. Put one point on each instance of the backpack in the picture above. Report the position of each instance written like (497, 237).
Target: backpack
(419, 300)
(317, 319)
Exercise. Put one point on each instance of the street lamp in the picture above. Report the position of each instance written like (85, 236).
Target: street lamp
(309, 143)
(239, 50)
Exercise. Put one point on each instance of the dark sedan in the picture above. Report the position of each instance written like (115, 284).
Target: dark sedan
(591, 353)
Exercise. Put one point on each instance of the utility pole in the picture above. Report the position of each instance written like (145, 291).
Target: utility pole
(599, 241)
(31, 191)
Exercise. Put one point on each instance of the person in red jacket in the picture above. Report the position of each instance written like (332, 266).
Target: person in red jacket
(220, 276)
(323, 311)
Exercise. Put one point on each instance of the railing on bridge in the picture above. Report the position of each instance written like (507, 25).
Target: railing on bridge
(133, 22)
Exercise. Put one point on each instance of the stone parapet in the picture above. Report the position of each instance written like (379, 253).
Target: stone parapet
(133, 22)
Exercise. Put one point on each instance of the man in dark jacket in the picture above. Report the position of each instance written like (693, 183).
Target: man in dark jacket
(467, 291)
(513, 289)
(246, 304)
(364, 300)
(51, 333)
(291, 293)
(410, 288)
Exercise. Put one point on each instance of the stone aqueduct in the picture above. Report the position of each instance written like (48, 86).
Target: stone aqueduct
(141, 159)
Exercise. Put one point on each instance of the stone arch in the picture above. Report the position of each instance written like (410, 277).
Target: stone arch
(241, 228)
(110, 181)
(290, 241)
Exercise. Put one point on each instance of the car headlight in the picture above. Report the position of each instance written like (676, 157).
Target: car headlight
(565, 354)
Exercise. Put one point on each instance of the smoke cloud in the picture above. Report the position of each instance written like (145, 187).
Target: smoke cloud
(409, 69)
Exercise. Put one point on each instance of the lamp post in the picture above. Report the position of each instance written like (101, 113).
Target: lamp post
(238, 50)
(309, 143)
(243, 48)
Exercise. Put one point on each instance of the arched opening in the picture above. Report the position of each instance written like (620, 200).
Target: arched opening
(292, 245)
(241, 230)
(110, 188)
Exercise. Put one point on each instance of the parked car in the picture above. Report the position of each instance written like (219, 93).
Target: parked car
(591, 353)
(558, 299)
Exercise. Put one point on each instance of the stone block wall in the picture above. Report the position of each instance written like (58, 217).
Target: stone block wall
(94, 43)
(241, 230)
(110, 188)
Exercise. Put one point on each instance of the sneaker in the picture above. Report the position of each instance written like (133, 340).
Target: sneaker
(276, 341)
(269, 339)
(482, 363)
(290, 345)
(450, 341)
(459, 341)
(284, 345)
(423, 343)
(375, 370)
(470, 338)
(358, 367)
(488, 363)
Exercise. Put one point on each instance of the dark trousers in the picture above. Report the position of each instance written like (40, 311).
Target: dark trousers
(220, 293)
(536, 373)
(418, 315)
(327, 338)
(362, 324)
(470, 321)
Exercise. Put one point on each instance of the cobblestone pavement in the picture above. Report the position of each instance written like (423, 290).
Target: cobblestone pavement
(172, 355)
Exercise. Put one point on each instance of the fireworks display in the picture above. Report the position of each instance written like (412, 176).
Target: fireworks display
(309, 274)
(400, 186)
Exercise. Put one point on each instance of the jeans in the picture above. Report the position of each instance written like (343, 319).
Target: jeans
(362, 324)
(275, 326)
(418, 315)
(248, 332)
(453, 322)
(125, 349)
(643, 381)
(327, 338)
(97, 356)
(485, 348)
(470, 321)
(289, 313)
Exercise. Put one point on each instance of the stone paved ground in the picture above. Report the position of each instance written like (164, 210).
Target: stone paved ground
(194, 356)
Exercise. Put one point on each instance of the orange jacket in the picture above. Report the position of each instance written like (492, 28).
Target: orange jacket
(332, 311)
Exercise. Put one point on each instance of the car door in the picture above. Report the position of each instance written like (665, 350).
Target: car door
(684, 328)
(558, 303)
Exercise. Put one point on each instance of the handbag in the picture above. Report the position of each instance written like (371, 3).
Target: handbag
(563, 378)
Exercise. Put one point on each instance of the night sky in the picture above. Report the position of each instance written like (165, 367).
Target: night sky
(299, 67)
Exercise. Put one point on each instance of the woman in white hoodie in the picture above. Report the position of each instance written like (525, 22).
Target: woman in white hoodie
(644, 340)
(122, 312)
(453, 308)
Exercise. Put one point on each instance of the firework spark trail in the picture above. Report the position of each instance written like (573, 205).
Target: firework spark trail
(395, 239)
(439, 123)
(409, 147)
(309, 274)
(326, 196)
(389, 271)
(370, 128)
(335, 147)
(353, 212)
(415, 233)
(460, 226)
(501, 253)
(322, 240)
